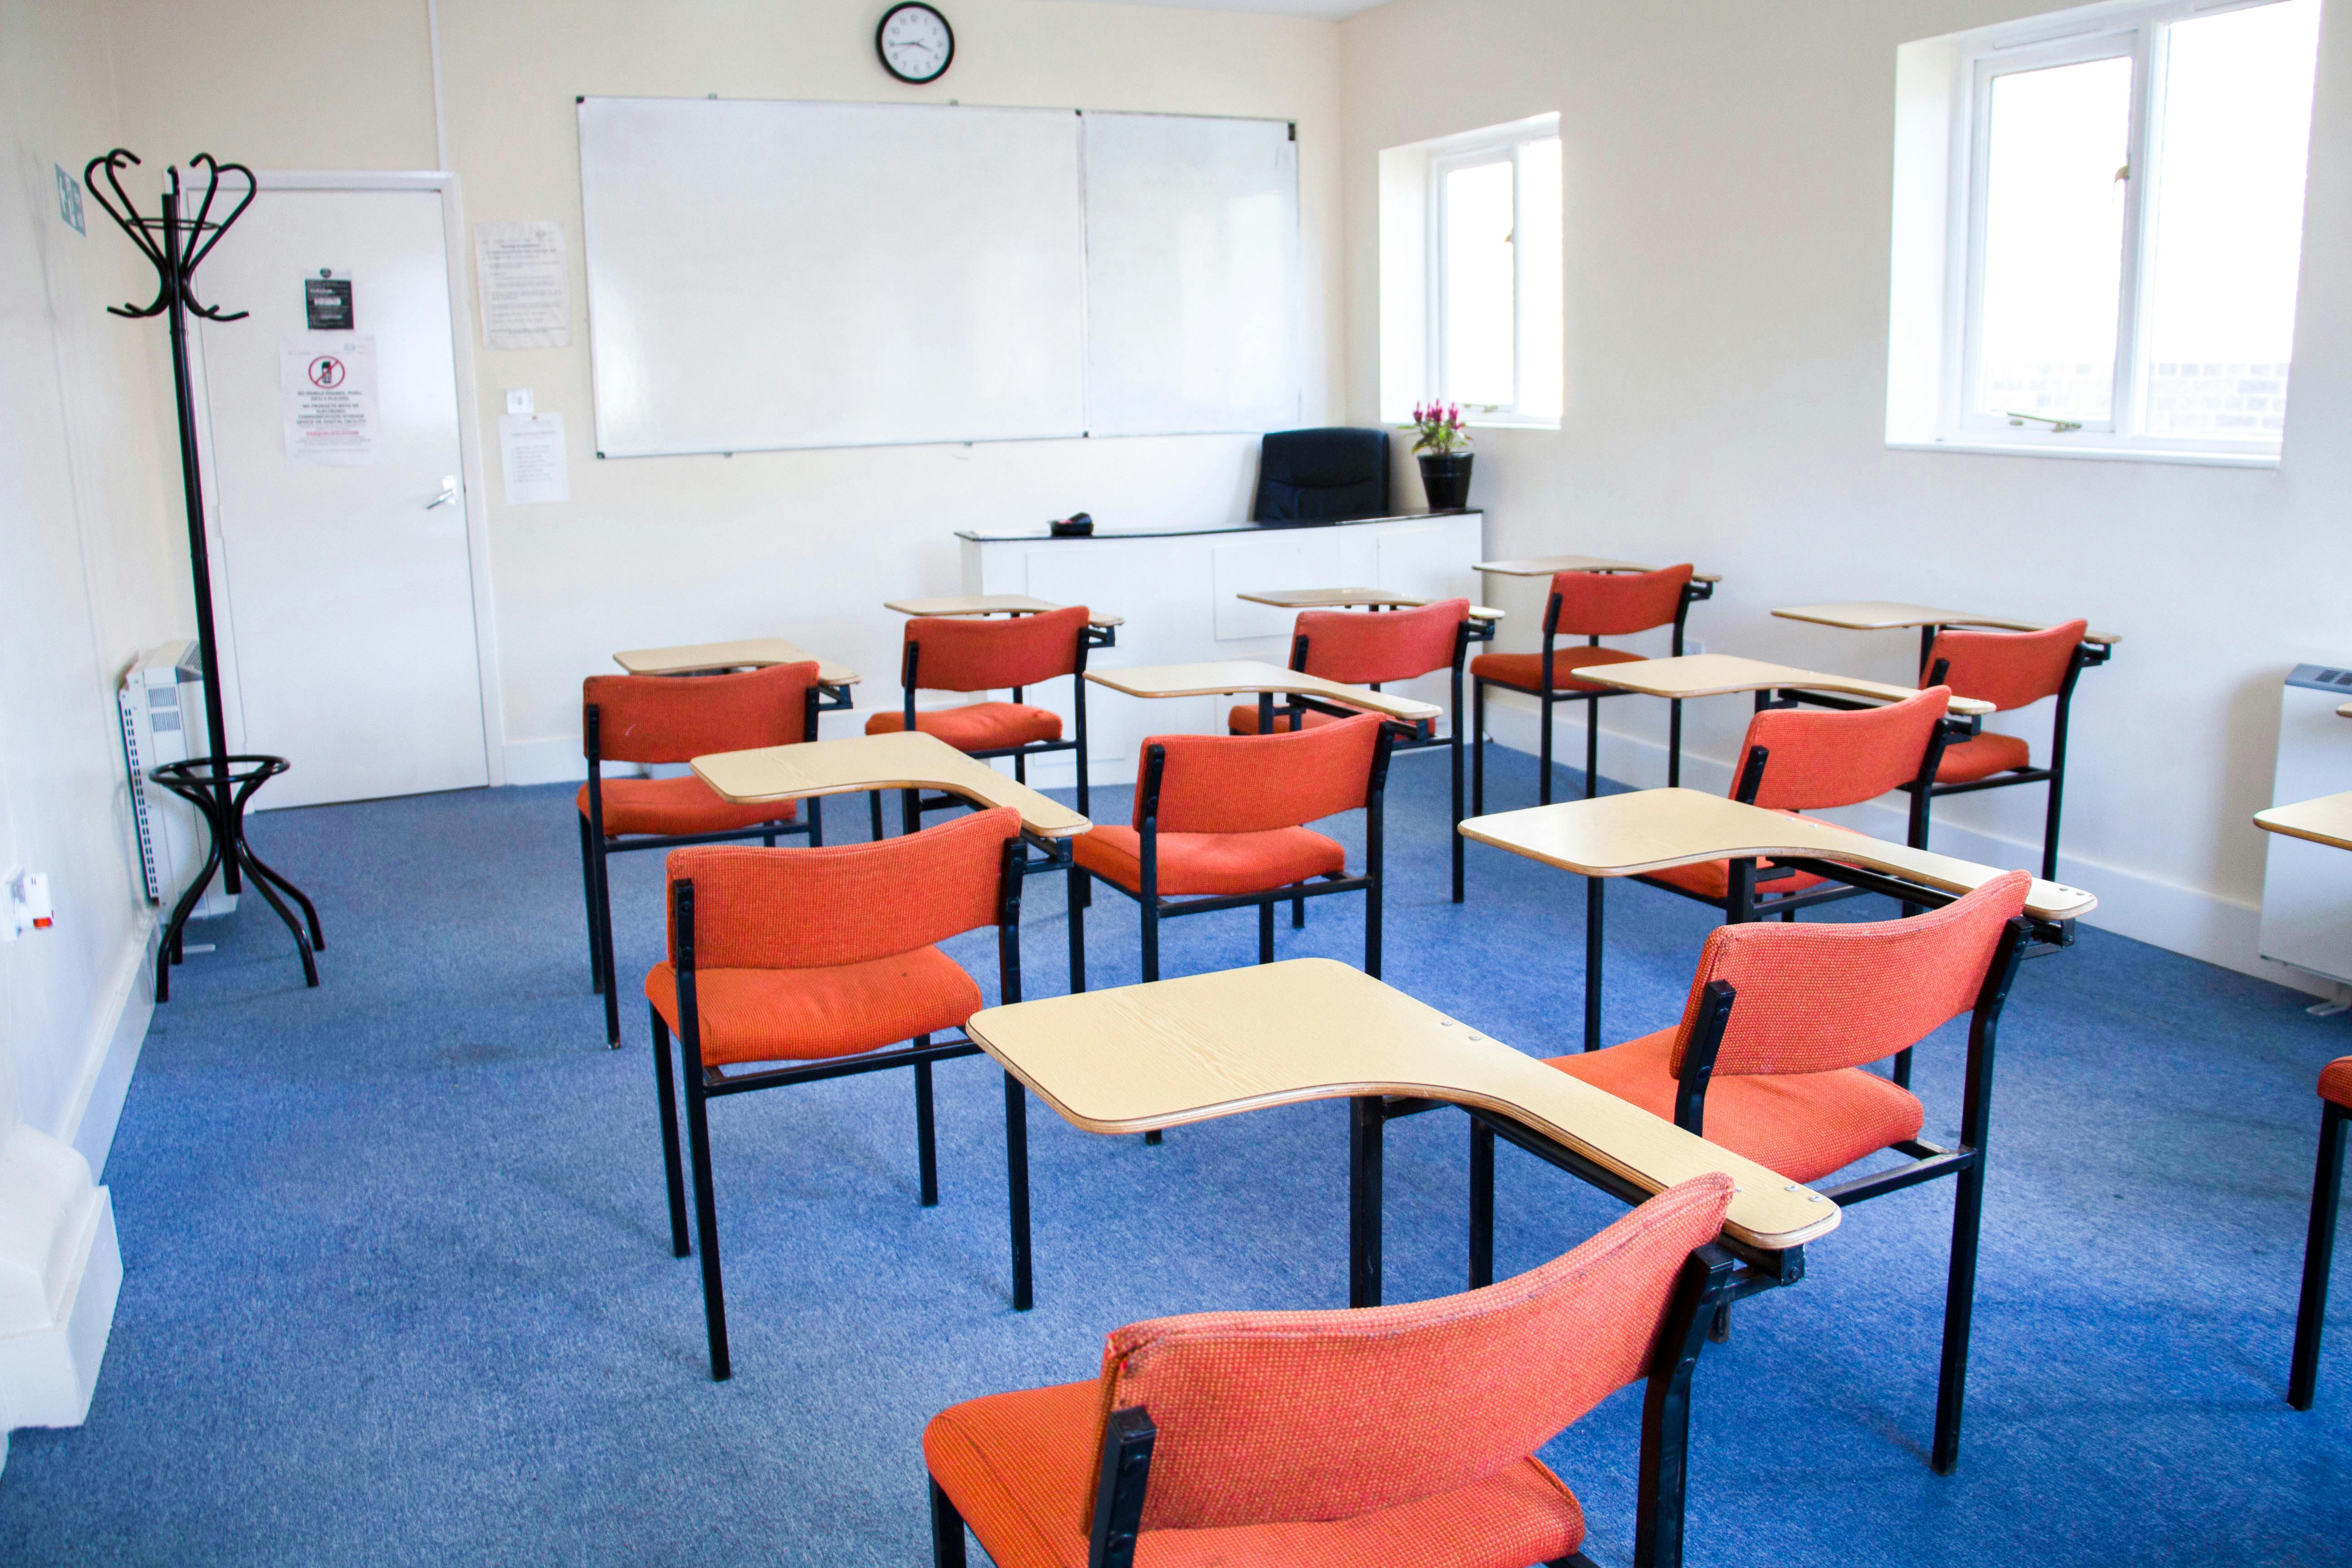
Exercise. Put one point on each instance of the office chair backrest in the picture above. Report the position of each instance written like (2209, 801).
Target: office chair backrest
(1252, 784)
(1358, 648)
(1817, 997)
(1322, 476)
(807, 909)
(1818, 757)
(2007, 669)
(976, 653)
(677, 718)
(1278, 1417)
(1613, 604)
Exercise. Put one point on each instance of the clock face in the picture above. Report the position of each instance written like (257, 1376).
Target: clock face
(914, 43)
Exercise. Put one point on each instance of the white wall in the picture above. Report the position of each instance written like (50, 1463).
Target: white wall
(1728, 180)
(804, 544)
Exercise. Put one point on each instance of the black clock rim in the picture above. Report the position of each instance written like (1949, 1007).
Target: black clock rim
(945, 26)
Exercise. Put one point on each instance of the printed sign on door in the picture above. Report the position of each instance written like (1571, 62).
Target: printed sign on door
(327, 381)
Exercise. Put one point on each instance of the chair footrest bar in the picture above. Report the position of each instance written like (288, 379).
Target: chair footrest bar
(717, 1081)
(1950, 1162)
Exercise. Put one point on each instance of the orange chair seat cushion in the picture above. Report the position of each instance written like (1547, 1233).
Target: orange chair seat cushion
(1967, 761)
(677, 807)
(2335, 1081)
(1803, 1125)
(1206, 863)
(801, 1015)
(1524, 671)
(977, 726)
(1020, 1468)
(1242, 720)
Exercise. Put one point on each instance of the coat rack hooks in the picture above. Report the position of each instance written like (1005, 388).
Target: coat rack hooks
(217, 784)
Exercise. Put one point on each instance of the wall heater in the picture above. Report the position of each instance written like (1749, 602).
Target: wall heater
(163, 704)
(2307, 887)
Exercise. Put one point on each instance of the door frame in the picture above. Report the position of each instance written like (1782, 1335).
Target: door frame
(470, 450)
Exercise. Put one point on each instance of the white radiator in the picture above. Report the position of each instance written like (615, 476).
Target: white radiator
(2307, 887)
(163, 704)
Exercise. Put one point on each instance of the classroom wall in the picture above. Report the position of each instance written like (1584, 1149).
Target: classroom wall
(656, 550)
(1728, 171)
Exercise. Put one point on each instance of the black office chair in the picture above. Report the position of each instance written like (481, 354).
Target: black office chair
(1322, 476)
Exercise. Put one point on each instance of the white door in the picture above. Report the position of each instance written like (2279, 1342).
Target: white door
(344, 589)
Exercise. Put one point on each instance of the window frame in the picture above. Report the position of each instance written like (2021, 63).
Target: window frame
(1503, 144)
(2137, 31)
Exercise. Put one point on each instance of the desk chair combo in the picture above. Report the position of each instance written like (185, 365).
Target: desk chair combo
(821, 959)
(658, 719)
(960, 645)
(1767, 1062)
(1370, 649)
(2015, 665)
(1590, 599)
(1405, 1435)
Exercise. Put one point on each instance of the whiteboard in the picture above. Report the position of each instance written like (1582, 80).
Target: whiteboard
(1191, 275)
(767, 275)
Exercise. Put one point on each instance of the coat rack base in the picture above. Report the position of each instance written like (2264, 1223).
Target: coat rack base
(219, 787)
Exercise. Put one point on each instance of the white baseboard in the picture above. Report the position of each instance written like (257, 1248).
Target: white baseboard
(2187, 920)
(552, 760)
(111, 1053)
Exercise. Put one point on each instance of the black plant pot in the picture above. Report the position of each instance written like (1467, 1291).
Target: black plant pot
(1445, 479)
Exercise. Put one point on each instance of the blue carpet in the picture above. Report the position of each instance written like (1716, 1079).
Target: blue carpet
(399, 1287)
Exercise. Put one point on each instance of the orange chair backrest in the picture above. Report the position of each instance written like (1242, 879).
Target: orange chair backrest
(2007, 669)
(808, 909)
(677, 718)
(1249, 783)
(1613, 603)
(1814, 998)
(1289, 1417)
(1818, 757)
(1358, 648)
(985, 652)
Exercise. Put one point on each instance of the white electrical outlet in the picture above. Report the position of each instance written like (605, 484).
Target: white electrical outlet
(28, 905)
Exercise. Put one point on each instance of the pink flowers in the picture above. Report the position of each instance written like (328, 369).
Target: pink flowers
(1438, 427)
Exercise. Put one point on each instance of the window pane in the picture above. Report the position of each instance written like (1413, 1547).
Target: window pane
(1479, 325)
(2228, 231)
(1542, 292)
(2054, 241)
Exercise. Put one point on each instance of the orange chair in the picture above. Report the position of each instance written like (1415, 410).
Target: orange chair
(1369, 648)
(667, 718)
(821, 958)
(1378, 1434)
(2009, 670)
(2319, 1246)
(1766, 1062)
(1590, 604)
(1222, 819)
(977, 653)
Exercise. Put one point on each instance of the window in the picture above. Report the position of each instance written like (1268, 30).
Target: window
(2122, 231)
(1471, 285)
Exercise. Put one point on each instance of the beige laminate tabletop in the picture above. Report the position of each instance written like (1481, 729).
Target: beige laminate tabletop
(753, 652)
(2328, 820)
(2344, 711)
(1547, 565)
(1655, 829)
(991, 605)
(1350, 598)
(1721, 674)
(1233, 676)
(1880, 615)
(902, 760)
(1173, 1051)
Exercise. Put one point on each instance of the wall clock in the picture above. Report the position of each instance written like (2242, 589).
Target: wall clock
(915, 42)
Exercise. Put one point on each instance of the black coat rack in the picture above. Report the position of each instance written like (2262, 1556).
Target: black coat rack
(218, 783)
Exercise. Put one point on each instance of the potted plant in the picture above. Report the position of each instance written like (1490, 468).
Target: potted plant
(1439, 437)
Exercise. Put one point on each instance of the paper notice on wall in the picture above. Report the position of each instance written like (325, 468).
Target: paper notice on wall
(526, 288)
(328, 381)
(531, 450)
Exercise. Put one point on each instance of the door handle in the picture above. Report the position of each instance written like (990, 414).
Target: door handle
(448, 495)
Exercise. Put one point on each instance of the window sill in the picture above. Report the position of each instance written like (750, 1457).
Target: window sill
(2096, 454)
(1505, 422)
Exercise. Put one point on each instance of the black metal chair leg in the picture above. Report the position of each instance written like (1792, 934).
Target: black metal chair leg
(1298, 914)
(1016, 1179)
(1543, 783)
(604, 945)
(1959, 1308)
(815, 804)
(1266, 931)
(706, 1226)
(1482, 1203)
(874, 805)
(673, 1170)
(1901, 1073)
(1591, 747)
(2318, 1255)
(588, 890)
(1366, 1123)
(1477, 748)
(1080, 877)
(927, 1144)
(947, 1531)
